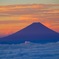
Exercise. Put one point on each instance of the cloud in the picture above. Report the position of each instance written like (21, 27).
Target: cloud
(12, 21)
(28, 9)
(29, 51)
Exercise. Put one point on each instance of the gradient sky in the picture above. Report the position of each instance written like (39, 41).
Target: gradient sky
(9, 2)
(15, 16)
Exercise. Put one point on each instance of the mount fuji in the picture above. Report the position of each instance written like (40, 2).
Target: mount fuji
(36, 33)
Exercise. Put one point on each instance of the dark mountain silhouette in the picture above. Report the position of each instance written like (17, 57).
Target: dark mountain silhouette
(36, 32)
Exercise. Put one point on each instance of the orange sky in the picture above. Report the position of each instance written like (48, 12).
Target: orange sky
(16, 17)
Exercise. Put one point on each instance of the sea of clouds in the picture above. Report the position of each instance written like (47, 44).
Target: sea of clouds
(29, 51)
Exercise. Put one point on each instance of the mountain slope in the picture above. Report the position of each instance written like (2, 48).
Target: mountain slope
(36, 32)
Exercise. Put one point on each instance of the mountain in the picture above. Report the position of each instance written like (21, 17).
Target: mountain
(36, 32)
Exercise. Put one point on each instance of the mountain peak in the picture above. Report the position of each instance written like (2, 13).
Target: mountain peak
(36, 23)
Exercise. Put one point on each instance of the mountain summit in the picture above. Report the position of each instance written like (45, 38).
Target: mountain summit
(36, 32)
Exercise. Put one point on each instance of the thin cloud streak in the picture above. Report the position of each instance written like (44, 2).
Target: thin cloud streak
(12, 21)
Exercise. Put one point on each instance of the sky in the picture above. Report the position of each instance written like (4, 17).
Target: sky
(9, 2)
(17, 14)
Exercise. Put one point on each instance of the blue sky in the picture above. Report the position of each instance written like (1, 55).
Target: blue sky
(11, 2)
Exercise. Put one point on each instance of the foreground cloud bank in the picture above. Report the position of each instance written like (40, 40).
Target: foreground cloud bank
(30, 51)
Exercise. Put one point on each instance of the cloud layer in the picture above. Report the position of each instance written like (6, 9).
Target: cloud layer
(29, 51)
